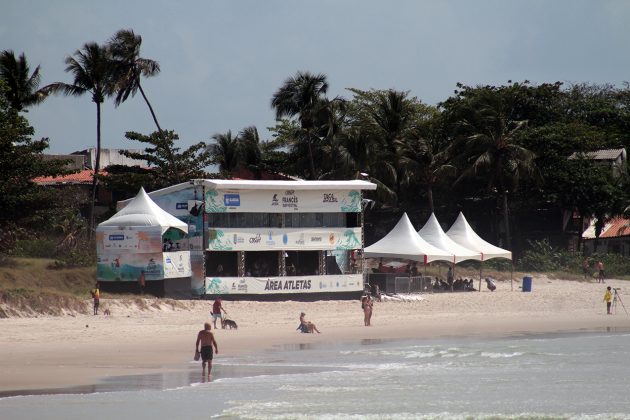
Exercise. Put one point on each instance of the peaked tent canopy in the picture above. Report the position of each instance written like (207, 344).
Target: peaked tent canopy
(404, 242)
(464, 235)
(432, 233)
(142, 211)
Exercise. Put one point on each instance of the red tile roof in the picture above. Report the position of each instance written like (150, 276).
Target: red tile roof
(81, 177)
(616, 227)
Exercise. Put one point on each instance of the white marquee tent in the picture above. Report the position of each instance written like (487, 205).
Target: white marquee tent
(404, 242)
(464, 235)
(432, 233)
(142, 211)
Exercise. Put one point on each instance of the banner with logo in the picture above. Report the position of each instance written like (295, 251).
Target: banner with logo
(177, 264)
(290, 239)
(283, 201)
(284, 285)
(140, 239)
(126, 266)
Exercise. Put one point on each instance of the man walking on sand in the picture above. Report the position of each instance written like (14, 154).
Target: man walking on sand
(206, 338)
(217, 307)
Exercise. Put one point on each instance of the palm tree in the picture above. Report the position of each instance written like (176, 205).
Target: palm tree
(249, 150)
(491, 152)
(225, 151)
(426, 166)
(23, 87)
(128, 69)
(92, 71)
(304, 96)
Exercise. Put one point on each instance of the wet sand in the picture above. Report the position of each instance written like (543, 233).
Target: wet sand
(71, 351)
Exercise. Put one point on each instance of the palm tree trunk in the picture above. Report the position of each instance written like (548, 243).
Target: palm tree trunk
(430, 198)
(579, 244)
(506, 220)
(310, 154)
(157, 124)
(97, 165)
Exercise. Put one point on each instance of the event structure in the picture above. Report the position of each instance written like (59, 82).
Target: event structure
(430, 243)
(253, 239)
(143, 239)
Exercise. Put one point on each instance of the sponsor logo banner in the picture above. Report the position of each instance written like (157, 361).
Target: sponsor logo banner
(126, 266)
(177, 264)
(134, 239)
(283, 201)
(284, 285)
(258, 239)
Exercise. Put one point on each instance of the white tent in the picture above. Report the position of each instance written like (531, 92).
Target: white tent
(464, 235)
(432, 233)
(404, 242)
(142, 211)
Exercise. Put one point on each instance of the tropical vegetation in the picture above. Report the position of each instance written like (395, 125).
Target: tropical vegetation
(512, 156)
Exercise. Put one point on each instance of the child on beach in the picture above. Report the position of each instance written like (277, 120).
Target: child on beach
(608, 300)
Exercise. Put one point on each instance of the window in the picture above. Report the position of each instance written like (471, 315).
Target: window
(261, 264)
(221, 264)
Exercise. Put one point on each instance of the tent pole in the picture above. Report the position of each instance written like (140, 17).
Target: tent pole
(480, 268)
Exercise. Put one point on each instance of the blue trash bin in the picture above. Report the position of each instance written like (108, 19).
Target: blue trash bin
(527, 284)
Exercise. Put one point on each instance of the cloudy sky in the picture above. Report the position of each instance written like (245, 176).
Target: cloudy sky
(223, 60)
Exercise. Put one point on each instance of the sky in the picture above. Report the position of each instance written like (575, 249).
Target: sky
(222, 61)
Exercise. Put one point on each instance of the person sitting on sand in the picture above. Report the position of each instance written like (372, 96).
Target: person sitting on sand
(206, 338)
(306, 326)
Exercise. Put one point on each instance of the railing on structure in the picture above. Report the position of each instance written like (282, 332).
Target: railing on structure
(395, 283)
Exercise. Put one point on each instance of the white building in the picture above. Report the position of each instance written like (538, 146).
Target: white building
(271, 239)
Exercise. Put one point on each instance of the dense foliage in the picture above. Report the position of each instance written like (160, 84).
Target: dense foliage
(501, 154)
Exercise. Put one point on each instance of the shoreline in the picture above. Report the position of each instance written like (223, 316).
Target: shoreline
(39, 354)
(183, 377)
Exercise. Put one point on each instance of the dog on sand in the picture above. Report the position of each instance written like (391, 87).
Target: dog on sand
(107, 312)
(228, 323)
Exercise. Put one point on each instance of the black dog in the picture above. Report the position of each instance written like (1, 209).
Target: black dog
(228, 323)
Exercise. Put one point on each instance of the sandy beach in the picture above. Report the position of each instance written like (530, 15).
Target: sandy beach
(53, 352)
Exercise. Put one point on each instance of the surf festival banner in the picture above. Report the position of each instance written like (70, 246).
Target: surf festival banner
(284, 285)
(144, 239)
(126, 266)
(298, 239)
(283, 201)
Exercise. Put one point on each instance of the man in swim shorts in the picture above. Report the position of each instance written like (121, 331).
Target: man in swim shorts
(206, 338)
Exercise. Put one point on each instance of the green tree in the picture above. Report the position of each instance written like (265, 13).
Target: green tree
(159, 153)
(231, 152)
(490, 151)
(91, 68)
(22, 85)
(21, 161)
(304, 96)
(224, 152)
(129, 68)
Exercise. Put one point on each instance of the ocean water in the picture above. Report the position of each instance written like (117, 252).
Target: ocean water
(560, 376)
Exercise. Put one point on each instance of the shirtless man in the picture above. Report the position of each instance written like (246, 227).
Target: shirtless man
(206, 338)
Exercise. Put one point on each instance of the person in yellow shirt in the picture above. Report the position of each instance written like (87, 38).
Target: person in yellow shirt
(608, 299)
(96, 296)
